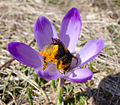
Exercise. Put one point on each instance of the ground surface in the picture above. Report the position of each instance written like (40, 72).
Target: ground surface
(99, 20)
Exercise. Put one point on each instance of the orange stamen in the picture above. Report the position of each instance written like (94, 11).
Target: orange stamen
(50, 55)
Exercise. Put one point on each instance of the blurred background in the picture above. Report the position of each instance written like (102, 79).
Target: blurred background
(100, 19)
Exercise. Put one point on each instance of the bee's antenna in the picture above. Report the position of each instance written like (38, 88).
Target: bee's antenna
(52, 39)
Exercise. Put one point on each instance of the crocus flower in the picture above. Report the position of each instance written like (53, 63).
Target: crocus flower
(69, 33)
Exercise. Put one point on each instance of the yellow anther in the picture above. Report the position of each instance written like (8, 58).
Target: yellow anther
(49, 53)
(44, 54)
(55, 48)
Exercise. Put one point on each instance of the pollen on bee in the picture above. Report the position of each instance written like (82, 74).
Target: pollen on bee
(49, 53)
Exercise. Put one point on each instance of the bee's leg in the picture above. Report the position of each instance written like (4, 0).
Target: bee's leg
(45, 64)
(76, 59)
(60, 71)
(65, 69)
(58, 67)
(58, 64)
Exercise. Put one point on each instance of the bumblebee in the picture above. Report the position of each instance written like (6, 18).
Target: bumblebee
(58, 54)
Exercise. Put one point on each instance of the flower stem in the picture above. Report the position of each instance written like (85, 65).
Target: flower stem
(60, 100)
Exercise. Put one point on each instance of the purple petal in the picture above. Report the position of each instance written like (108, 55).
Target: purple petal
(44, 31)
(25, 54)
(70, 29)
(90, 51)
(79, 75)
(50, 73)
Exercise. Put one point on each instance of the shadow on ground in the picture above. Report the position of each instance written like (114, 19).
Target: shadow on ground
(107, 93)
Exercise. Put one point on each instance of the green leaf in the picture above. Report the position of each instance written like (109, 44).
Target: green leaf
(81, 101)
(60, 95)
(53, 84)
(29, 96)
(75, 99)
(92, 68)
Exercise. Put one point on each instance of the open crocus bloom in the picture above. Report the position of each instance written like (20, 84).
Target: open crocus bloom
(69, 33)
